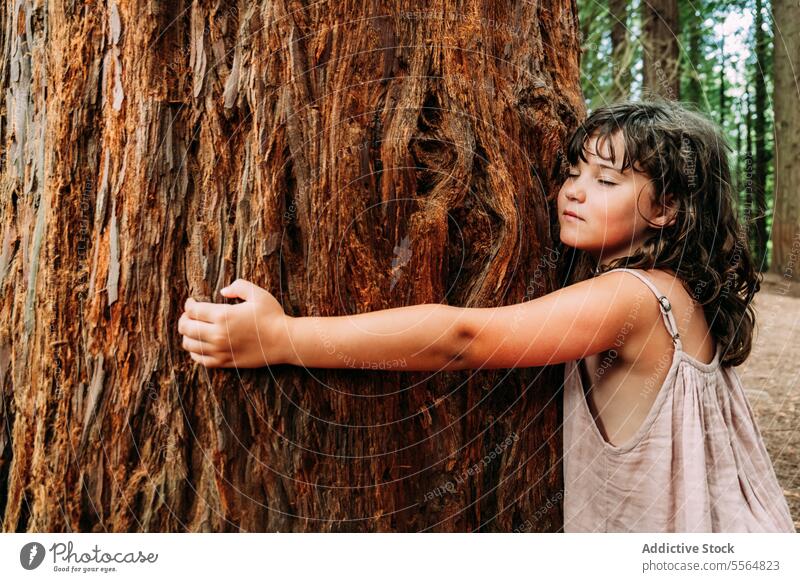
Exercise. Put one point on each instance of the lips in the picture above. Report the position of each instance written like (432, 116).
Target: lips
(570, 214)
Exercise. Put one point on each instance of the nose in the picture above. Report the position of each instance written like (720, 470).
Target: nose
(573, 190)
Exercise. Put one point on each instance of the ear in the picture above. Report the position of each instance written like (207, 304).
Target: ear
(666, 212)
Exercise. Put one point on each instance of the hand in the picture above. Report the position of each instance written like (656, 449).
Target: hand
(246, 335)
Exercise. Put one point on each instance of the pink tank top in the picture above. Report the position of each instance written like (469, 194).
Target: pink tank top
(696, 464)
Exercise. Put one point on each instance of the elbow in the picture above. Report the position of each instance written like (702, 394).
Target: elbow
(459, 351)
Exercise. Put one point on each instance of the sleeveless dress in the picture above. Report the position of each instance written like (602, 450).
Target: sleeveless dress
(696, 464)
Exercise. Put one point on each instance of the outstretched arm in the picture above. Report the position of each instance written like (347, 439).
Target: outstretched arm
(418, 337)
(257, 333)
(570, 323)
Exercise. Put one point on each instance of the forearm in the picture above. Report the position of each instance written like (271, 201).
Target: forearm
(418, 337)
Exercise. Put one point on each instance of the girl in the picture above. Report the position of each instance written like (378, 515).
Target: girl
(658, 433)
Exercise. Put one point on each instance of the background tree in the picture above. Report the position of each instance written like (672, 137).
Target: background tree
(785, 233)
(726, 71)
(762, 154)
(345, 156)
(661, 71)
(693, 60)
(597, 76)
(621, 50)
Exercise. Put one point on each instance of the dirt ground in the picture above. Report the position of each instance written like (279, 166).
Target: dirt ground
(771, 377)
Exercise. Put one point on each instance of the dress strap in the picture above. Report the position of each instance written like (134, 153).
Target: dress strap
(664, 304)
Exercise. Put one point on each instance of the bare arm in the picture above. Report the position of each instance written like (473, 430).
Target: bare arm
(418, 337)
(257, 332)
(570, 323)
(582, 319)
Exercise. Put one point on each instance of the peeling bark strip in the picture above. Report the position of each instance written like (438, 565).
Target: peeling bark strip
(345, 156)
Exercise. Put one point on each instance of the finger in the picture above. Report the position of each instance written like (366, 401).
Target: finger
(241, 289)
(201, 310)
(202, 348)
(207, 361)
(196, 329)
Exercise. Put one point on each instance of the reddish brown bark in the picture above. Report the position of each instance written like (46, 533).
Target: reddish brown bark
(346, 157)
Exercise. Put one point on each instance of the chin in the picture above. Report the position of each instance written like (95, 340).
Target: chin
(571, 240)
(576, 243)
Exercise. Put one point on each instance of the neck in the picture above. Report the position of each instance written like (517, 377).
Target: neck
(604, 257)
(604, 261)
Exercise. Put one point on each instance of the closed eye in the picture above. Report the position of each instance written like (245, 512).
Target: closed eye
(607, 183)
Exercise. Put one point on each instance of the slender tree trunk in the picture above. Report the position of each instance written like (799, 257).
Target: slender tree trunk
(693, 91)
(748, 166)
(738, 149)
(786, 218)
(347, 157)
(760, 141)
(722, 101)
(591, 13)
(661, 72)
(620, 49)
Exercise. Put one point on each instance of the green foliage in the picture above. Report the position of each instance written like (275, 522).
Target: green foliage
(720, 70)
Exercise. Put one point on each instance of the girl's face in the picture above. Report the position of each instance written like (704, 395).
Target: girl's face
(601, 209)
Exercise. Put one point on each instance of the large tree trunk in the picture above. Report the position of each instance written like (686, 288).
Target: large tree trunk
(347, 157)
(661, 70)
(786, 218)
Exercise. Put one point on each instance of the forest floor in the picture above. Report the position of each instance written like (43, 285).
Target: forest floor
(771, 377)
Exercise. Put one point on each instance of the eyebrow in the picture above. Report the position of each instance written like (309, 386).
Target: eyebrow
(608, 166)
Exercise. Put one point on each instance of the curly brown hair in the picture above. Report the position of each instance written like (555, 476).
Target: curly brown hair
(707, 246)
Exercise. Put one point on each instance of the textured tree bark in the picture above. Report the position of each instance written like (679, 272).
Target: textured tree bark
(661, 66)
(345, 156)
(786, 219)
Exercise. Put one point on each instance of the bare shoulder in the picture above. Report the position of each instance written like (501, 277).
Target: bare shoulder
(651, 328)
(585, 318)
(674, 288)
(665, 280)
(638, 343)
